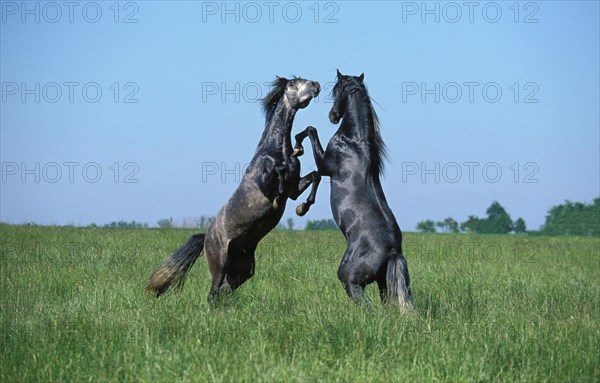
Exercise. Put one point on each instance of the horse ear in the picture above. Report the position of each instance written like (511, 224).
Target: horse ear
(339, 75)
(361, 77)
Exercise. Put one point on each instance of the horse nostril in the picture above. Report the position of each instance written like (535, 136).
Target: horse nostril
(316, 85)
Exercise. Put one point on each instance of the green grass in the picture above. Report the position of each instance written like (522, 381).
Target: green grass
(492, 308)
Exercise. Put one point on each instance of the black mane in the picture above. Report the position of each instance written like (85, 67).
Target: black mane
(365, 112)
(269, 103)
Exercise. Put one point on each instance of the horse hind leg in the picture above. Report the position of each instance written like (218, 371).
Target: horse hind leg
(224, 282)
(240, 271)
(239, 268)
(216, 256)
(382, 285)
(357, 293)
(354, 286)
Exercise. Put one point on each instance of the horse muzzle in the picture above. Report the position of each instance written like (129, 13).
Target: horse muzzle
(315, 88)
(334, 117)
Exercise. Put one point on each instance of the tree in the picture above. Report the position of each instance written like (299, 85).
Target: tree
(427, 226)
(573, 218)
(497, 222)
(441, 225)
(452, 225)
(165, 223)
(519, 226)
(472, 224)
(449, 225)
(202, 224)
(290, 223)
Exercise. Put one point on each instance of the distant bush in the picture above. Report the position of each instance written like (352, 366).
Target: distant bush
(125, 225)
(322, 224)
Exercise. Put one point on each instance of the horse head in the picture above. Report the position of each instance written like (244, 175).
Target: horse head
(299, 92)
(345, 86)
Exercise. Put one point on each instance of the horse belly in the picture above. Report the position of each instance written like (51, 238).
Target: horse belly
(358, 212)
(250, 213)
(343, 207)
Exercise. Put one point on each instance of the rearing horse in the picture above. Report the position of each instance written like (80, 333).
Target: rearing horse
(354, 162)
(257, 204)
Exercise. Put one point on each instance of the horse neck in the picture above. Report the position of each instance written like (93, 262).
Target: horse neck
(358, 120)
(279, 128)
(358, 124)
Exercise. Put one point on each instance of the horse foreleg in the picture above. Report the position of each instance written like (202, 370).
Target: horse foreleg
(298, 148)
(314, 179)
(318, 151)
(311, 133)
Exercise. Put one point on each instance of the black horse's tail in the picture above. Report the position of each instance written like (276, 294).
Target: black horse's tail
(173, 270)
(398, 282)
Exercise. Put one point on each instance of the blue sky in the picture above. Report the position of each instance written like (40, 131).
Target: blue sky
(489, 102)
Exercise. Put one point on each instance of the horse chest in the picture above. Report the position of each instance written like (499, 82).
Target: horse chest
(345, 155)
(293, 164)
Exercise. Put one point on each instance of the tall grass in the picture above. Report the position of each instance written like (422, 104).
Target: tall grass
(491, 308)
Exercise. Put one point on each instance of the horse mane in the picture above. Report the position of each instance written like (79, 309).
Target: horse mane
(269, 103)
(377, 148)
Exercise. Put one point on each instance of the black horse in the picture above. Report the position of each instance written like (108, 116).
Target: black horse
(354, 161)
(257, 204)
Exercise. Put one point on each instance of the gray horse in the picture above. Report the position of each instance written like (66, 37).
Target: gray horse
(257, 204)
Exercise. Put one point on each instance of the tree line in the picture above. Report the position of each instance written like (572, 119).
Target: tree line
(204, 222)
(570, 218)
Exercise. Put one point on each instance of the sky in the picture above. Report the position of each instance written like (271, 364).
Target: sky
(145, 110)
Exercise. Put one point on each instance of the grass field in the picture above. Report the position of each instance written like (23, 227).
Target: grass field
(492, 308)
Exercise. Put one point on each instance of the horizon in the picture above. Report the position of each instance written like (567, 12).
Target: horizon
(192, 223)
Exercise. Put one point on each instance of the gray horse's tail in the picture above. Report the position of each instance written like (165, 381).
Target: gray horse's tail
(173, 270)
(398, 282)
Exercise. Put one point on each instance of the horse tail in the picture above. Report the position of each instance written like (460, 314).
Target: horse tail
(398, 282)
(173, 270)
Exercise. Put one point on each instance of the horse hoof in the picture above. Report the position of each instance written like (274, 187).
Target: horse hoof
(300, 209)
(298, 152)
(275, 204)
